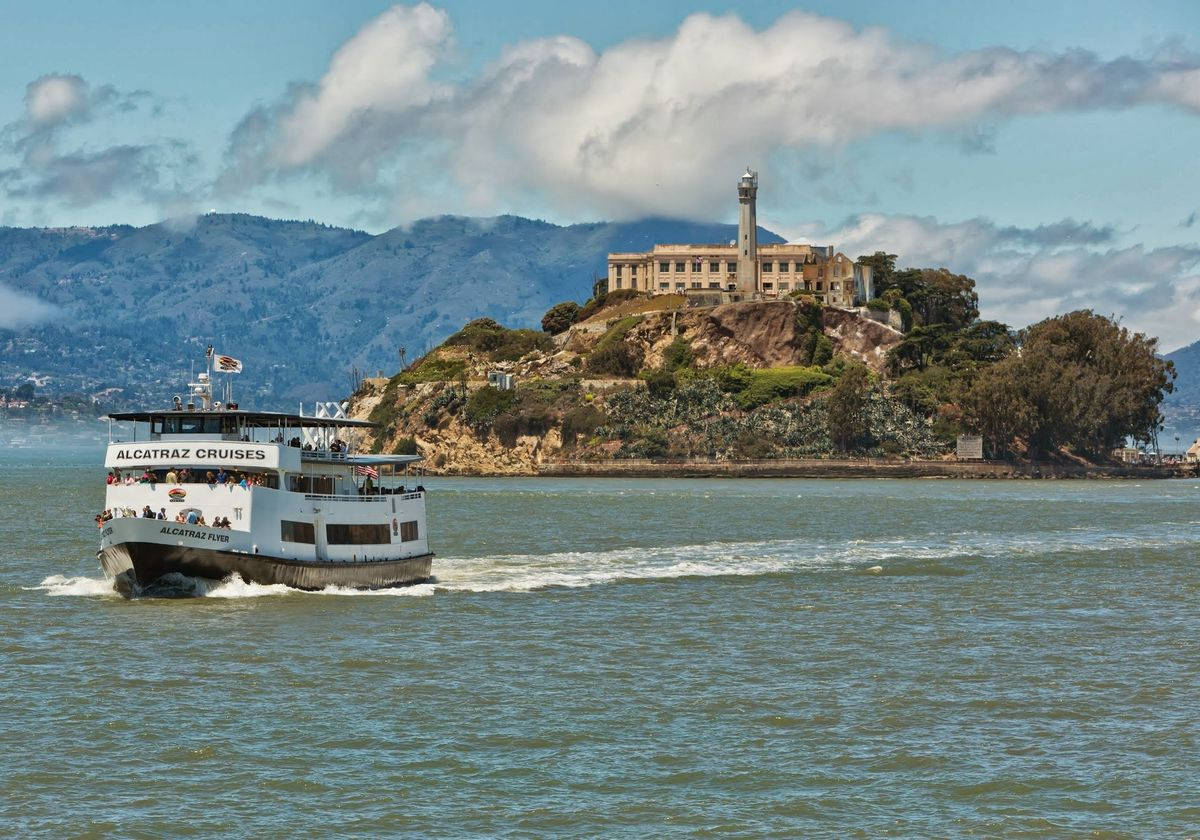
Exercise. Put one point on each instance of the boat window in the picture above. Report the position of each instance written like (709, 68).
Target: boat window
(197, 425)
(357, 534)
(408, 531)
(297, 532)
(318, 484)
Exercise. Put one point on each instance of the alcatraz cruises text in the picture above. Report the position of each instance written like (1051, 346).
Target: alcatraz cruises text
(184, 452)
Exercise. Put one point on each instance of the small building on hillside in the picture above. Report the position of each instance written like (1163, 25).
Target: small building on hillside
(743, 269)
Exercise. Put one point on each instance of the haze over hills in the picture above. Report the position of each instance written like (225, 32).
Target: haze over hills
(299, 302)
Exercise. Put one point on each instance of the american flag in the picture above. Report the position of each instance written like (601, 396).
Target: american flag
(371, 471)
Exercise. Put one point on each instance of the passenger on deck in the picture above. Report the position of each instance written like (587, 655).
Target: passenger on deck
(147, 513)
(180, 518)
(129, 482)
(113, 478)
(172, 477)
(162, 513)
(244, 482)
(193, 517)
(222, 476)
(210, 479)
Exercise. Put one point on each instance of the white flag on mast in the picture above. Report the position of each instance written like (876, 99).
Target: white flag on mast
(227, 364)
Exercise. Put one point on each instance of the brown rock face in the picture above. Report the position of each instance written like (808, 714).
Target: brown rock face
(761, 334)
(861, 338)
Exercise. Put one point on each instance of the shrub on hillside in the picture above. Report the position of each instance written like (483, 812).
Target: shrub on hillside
(486, 404)
(777, 383)
(678, 354)
(405, 446)
(660, 382)
(616, 359)
(500, 343)
(433, 369)
(605, 299)
(581, 422)
(560, 317)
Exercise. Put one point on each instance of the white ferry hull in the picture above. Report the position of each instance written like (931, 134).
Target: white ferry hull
(151, 548)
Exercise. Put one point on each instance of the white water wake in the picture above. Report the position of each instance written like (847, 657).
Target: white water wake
(578, 569)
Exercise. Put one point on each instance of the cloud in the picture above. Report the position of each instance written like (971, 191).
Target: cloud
(82, 176)
(639, 127)
(1026, 274)
(18, 309)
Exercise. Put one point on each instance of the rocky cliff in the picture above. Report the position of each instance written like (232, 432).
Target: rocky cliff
(731, 381)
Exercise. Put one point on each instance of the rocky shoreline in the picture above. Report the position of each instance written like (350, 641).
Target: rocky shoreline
(830, 468)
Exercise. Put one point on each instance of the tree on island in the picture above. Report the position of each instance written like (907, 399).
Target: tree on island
(1080, 382)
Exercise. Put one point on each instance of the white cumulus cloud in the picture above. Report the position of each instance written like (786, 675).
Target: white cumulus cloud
(55, 98)
(642, 126)
(1026, 274)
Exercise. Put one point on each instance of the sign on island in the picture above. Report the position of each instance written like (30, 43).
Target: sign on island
(970, 447)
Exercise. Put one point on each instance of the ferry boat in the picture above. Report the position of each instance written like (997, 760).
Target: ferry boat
(271, 497)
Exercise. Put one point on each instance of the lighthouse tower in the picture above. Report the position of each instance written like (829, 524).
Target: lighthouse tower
(747, 241)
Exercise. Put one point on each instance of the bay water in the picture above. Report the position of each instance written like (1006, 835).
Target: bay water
(678, 658)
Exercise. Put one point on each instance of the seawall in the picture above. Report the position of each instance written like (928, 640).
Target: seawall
(856, 468)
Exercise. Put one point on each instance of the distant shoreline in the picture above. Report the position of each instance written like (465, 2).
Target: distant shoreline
(847, 468)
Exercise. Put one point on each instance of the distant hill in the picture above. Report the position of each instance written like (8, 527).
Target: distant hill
(1182, 408)
(299, 302)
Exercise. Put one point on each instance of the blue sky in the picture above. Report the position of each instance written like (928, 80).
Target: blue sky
(1047, 149)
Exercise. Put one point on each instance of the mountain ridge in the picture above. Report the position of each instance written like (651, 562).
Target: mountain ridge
(299, 301)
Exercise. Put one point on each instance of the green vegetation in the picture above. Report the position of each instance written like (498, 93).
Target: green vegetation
(604, 299)
(499, 343)
(612, 356)
(849, 426)
(1081, 381)
(485, 405)
(770, 384)
(560, 317)
(815, 346)
(432, 368)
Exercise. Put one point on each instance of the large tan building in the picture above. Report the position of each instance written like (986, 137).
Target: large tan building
(743, 269)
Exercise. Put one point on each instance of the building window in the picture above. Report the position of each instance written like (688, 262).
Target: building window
(696, 266)
(679, 287)
(408, 531)
(618, 271)
(767, 286)
(714, 285)
(357, 534)
(819, 284)
(833, 287)
(783, 265)
(297, 532)
(767, 266)
(679, 266)
(783, 287)
(664, 266)
(633, 271)
(731, 267)
(696, 284)
(714, 267)
(664, 286)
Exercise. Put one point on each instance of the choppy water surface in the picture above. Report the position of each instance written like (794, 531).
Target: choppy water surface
(599, 658)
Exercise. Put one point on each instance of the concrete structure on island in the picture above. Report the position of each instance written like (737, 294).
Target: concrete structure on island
(747, 240)
(742, 269)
